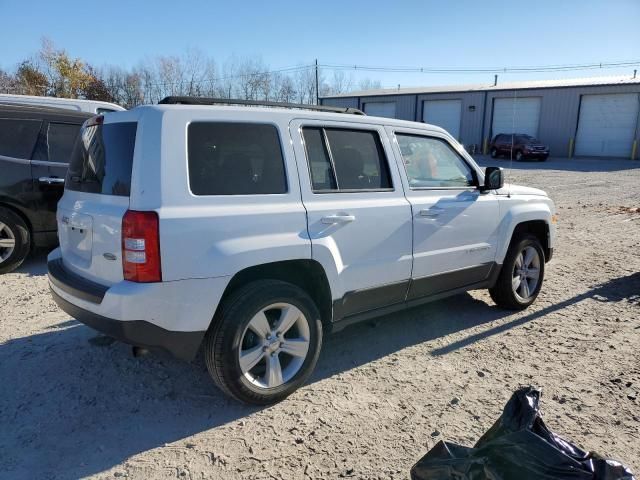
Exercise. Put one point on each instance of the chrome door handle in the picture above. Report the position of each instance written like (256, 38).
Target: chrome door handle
(431, 212)
(51, 180)
(333, 219)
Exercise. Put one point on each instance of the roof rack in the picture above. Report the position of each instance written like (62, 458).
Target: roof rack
(233, 101)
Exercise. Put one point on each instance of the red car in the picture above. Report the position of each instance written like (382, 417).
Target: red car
(524, 146)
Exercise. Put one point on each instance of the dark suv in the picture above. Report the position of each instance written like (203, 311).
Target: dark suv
(35, 146)
(524, 146)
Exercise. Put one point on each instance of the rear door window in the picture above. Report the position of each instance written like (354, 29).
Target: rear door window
(18, 137)
(235, 159)
(346, 160)
(61, 138)
(102, 159)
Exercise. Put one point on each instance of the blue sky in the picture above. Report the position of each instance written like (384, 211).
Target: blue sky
(461, 33)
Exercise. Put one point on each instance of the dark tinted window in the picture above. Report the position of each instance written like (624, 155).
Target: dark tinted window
(102, 159)
(18, 137)
(235, 159)
(61, 138)
(354, 160)
(322, 177)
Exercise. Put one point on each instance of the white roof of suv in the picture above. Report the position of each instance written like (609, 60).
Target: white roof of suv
(89, 106)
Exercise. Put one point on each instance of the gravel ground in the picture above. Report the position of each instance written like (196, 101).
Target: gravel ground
(74, 404)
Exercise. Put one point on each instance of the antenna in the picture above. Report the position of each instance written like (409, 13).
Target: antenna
(513, 135)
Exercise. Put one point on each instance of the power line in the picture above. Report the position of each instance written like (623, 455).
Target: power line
(518, 69)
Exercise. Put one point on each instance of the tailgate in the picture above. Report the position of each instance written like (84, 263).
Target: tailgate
(95, 200)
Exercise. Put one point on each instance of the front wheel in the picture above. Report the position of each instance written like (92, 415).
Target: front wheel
(521, 276)
(264, 343)
(519, 156)
(494, 153)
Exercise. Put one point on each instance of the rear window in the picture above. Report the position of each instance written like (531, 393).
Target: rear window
(18, 137)
(235, 159)
(102, 159)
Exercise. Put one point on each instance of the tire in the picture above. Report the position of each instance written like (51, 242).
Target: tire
(505, 292)
(15, 240)
(543, 159)
(232, 334)
(519, 156)
(494, 153)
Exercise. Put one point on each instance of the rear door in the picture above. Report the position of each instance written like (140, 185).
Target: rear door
(17, 140)
(49, 167)
(359, 220)
(455, 226)
(96, 198)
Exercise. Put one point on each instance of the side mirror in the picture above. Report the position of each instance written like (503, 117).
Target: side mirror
(493, 179)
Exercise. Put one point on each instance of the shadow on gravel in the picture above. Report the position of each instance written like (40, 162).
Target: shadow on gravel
(35, 264)
(623, 288)
(559, 163)
(73, 406)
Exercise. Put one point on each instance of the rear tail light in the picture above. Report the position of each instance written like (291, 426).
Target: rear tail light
(141, 247)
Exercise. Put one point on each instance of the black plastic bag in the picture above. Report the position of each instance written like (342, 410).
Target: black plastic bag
(518, 446)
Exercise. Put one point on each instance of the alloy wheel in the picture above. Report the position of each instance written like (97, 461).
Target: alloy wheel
(7, 242)
(274, 345)
(526, 273)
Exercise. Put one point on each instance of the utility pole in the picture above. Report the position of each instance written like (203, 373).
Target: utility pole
(317, 91)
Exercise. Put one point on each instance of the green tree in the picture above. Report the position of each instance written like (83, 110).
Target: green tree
(30, 80)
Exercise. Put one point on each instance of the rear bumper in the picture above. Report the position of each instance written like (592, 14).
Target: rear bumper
(535, 154)
(172, 315)
(183, 345)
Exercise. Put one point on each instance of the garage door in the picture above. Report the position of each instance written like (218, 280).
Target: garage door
(519, 115)
(380, 109)
(607, 124)
(443, 113)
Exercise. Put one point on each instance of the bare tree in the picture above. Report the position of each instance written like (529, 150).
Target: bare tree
(341, 82)
(53, 72)
(8, 82)
(368, 84)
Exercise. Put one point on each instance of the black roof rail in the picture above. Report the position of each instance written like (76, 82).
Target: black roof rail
(173, 100)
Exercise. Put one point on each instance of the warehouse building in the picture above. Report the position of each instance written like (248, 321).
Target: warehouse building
(594, 117)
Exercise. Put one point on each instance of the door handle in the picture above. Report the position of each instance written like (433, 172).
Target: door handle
(51, 180)
(431, 212)
(333, 219)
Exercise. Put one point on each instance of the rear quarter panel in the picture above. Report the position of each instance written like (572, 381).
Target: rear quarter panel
(214, 236)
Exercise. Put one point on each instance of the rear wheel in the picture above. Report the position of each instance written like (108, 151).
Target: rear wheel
(519, 156)
(15, 241)
(264, 343)
(521, 276)
(494, 153)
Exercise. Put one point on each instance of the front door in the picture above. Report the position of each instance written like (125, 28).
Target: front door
(359, 220)
(455, 226)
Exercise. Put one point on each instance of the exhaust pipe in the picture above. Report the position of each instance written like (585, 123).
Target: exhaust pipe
(139, 351)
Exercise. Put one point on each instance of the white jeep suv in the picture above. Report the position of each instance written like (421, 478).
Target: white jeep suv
(250, 230)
